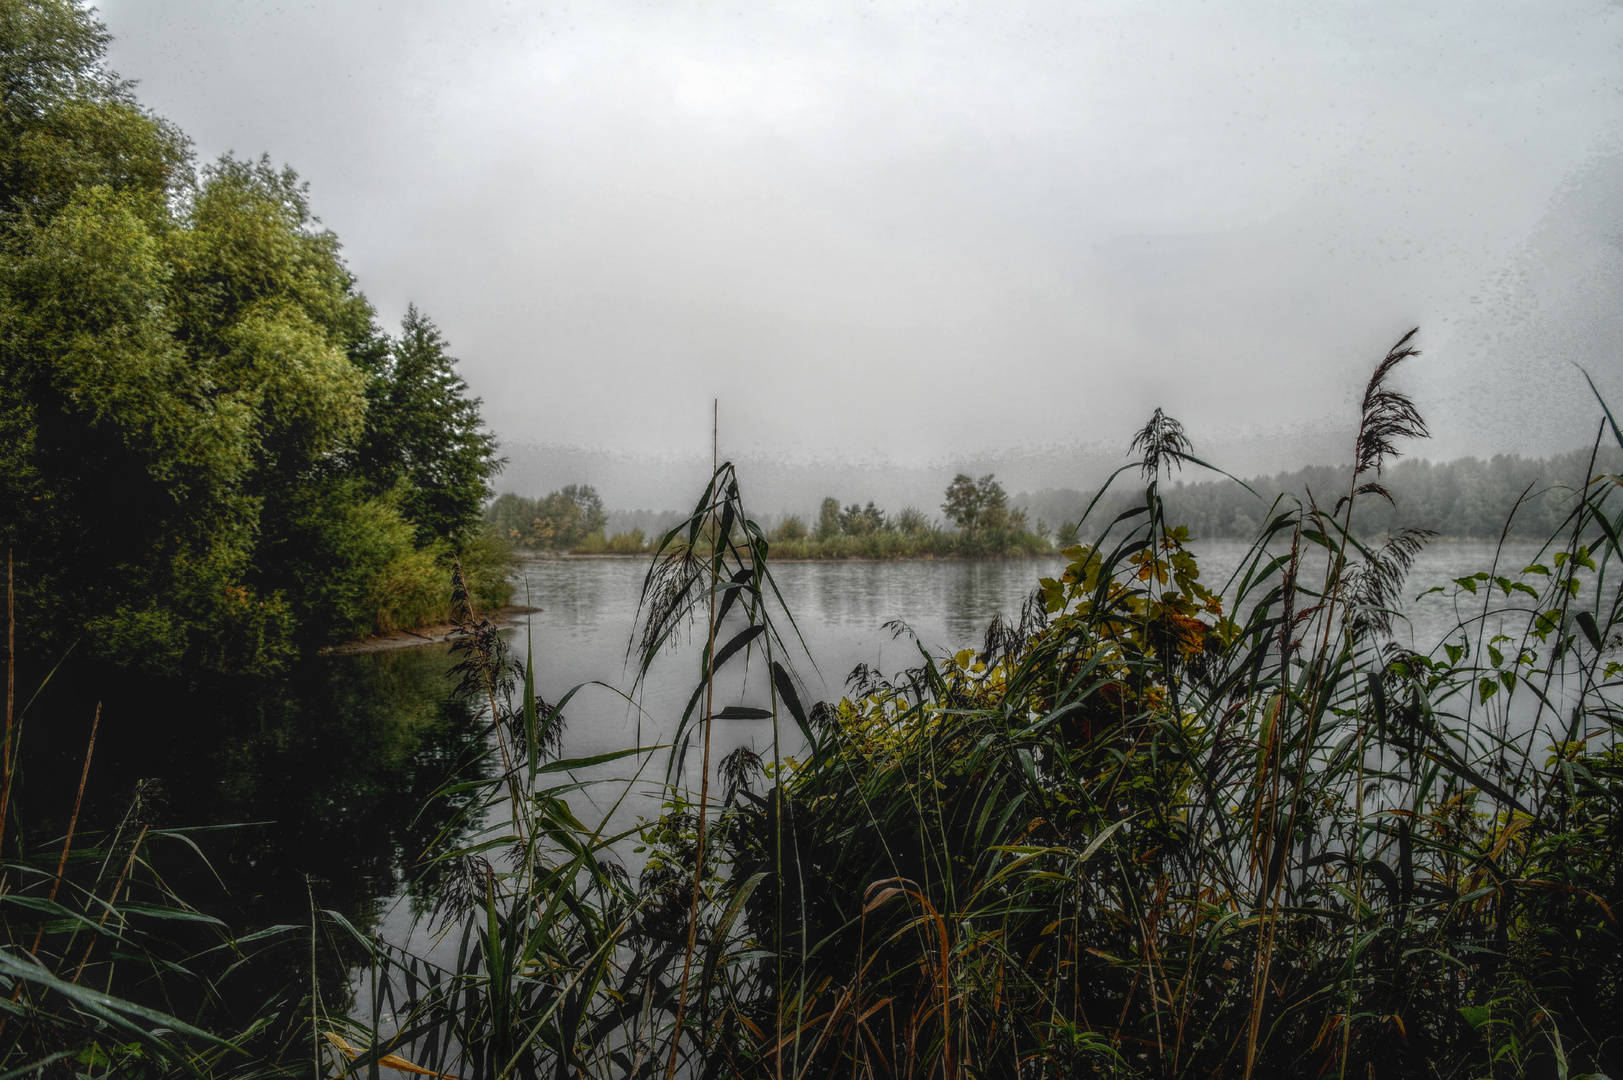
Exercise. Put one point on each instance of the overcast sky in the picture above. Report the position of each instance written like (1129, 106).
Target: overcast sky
(905, 231)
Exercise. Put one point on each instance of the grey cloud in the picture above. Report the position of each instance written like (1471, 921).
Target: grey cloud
(906, 232)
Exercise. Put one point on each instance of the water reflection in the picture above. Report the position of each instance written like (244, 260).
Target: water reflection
(327, 778)
(333, 768)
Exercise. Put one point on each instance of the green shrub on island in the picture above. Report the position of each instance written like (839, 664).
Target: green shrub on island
(627, 543)
(985, 527)
(573, 520)
(925, 544)
(210, 454)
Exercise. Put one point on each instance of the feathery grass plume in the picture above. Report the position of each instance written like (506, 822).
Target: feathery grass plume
(671, 596)
(462, 886)
(1160, 441)
(736, 770)
(1384, 416)
(1373, 586)
(483, 669)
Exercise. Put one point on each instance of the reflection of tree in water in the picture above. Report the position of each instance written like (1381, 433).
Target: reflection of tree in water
(327, 777)
(976, 591)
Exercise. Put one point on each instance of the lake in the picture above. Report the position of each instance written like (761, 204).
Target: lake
(332, 768)
(589, 609)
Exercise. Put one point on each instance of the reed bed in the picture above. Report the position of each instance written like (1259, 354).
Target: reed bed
(1157, 826)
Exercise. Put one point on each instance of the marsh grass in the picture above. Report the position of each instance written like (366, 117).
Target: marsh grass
(105, 971)
(1156, 826)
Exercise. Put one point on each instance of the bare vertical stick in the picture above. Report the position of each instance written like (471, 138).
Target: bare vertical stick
(709, 710)
(315, 989)
(112, 900)
(73, 821)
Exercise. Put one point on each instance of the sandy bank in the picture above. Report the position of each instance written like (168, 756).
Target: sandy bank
(437, 634)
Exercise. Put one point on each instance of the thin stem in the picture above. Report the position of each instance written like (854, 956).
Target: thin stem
(112, 899)
(315, 991)
(717, 552)
(73, 822)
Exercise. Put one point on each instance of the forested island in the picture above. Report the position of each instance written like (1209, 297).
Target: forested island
(1144, 827)
(979, 523)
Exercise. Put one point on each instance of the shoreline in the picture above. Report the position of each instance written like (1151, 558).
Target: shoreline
(505, 618)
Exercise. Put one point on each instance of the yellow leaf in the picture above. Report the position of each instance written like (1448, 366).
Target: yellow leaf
(391, 1061)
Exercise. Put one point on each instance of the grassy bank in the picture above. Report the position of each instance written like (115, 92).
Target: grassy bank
(924, 544)
(885, 544)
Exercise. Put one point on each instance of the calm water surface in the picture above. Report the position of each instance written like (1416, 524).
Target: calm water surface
(847, 614)
(333, 767)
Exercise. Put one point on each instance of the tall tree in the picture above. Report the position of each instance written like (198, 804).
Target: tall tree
(976, 505)
(828, 518)
(425, 431)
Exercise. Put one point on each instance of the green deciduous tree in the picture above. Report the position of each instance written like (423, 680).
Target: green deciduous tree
(205, 454)
(977, 505)
(828, 518)
(561, 520)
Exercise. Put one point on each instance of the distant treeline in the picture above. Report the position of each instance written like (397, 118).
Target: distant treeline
(979, 522)
(1467, 498)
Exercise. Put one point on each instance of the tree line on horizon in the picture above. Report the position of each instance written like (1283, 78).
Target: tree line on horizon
(1467, 498)
(978, 521)
(1464, 498)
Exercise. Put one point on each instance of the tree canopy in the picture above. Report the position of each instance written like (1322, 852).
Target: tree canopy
(209, 452)
(979, 505)
(562, 520)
